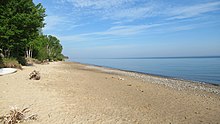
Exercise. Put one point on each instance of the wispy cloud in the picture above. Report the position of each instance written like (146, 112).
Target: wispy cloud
(122, 13)
(114, 9)
(132, 13)
(131, 31)
(125, 30)
(115, 31)
(73, 38)
(193, 11)
(60, 23)
(128, 11)
(52, 22)
(98, 4)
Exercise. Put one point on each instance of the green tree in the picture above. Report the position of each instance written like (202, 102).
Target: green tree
(54, 47)
(40, 48)
(20, 21)
(47, 47)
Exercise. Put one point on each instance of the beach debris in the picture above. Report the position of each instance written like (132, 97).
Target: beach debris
(119, 78)
(140, 90)
(17, 116)
(129, 85)
(35, 75)
(196, 112)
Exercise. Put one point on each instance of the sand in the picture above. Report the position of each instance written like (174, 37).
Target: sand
(72, 93)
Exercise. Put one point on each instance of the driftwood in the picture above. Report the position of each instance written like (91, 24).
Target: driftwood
(17, 116)
(35, 75)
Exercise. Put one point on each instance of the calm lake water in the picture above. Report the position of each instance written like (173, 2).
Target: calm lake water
(195, 69)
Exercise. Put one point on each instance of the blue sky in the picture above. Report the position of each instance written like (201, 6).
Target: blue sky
(134, 28)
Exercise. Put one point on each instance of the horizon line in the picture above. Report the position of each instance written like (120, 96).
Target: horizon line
(160, 57)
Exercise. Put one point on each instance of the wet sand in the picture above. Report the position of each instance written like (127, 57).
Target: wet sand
(69, 93)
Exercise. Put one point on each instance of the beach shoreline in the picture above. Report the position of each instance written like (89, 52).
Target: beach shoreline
(192, 70)
(71, 92)
(206, 86)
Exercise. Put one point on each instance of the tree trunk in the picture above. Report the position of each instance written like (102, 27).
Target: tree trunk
(7, 53)
(31, 53)
(26, 53)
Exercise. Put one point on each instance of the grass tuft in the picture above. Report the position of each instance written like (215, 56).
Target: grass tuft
(10, 63)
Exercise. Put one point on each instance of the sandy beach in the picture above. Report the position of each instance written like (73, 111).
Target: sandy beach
(73, 93)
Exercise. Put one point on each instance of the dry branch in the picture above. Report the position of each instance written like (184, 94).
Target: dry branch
(17, 116)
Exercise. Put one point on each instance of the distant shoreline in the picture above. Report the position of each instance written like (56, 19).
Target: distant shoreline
(174, 57)
(179, 84)
(149, 74)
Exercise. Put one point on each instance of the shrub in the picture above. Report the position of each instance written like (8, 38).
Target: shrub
(10, 63)
(22, 60)
(1, 62)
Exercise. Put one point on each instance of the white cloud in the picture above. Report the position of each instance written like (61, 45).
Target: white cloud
(125, 30)
(52, 22)
(193, 11)
(115, 31)
(75, 38)
(60, 23)
(114, 9)
(174, 28)
(132, 13)
(127, 17)
(98, 4)
(130, 10)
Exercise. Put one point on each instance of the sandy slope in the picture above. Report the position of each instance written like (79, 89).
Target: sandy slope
(72, 93)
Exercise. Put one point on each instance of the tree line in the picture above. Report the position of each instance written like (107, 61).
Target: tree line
(21, 23)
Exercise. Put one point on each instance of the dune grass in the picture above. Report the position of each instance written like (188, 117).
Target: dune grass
(9, 63)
